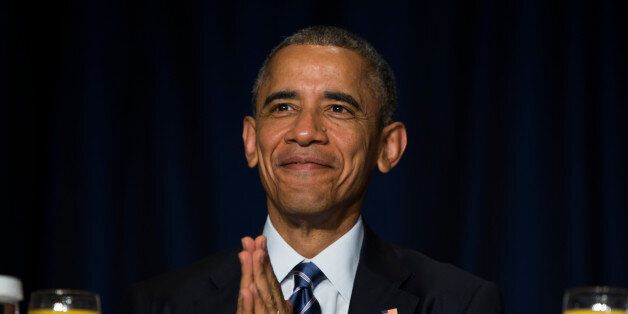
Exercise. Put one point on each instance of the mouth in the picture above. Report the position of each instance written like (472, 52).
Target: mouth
(305, 163)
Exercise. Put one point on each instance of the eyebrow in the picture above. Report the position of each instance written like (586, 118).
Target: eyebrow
(344, 97)
(282, 94)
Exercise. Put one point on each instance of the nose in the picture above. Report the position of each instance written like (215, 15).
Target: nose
(307, 129)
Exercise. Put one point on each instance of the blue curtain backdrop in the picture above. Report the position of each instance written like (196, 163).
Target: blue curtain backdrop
(121, 154)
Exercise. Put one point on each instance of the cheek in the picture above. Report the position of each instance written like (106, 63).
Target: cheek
(354, 142)
(354, 148)
(267, 142)
(268, 139)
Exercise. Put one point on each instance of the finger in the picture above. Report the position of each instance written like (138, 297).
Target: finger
(239, 308)
(264, 288)
(274, 286)
(273, 283)
(246, 268)
(260, 308)
(260, 243)
(246, 261)
(270, 283)
(245, 302)
(248, 244)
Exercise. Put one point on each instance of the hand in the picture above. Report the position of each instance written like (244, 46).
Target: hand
(260, 291)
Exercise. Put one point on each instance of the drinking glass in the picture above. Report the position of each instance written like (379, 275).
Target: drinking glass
(595, 300)
(64, 300)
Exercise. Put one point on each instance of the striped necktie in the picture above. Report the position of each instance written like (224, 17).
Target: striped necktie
(306, 277)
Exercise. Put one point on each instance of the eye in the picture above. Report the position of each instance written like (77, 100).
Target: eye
(282, 107)
(338, 109)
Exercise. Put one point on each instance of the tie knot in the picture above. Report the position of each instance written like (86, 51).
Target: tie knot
(307, 274)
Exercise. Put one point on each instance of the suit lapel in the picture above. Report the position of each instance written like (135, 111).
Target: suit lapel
(378, 279)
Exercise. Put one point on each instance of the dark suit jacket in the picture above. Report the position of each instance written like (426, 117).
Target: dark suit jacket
(387, 277)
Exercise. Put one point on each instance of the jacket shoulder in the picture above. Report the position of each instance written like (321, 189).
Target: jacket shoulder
(437, 274)
(184, 289)
(438, 283)
(210, 272)
(435, 287)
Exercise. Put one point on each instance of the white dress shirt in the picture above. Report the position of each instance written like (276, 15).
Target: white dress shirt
(339, 262)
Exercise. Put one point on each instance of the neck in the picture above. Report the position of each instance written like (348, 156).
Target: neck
(309, 235)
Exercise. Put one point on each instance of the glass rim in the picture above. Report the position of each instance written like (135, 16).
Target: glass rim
(65, 292)
(597, 289)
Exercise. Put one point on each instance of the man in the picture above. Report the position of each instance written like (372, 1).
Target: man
(323, 105)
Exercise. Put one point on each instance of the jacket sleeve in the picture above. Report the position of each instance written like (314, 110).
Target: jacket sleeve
(486, 300)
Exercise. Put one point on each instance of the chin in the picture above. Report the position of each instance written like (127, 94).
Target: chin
(305, 206)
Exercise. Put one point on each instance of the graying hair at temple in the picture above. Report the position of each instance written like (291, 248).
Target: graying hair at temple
(382, 77)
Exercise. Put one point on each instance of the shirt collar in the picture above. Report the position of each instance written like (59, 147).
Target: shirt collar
(338, 261)
(283, 257)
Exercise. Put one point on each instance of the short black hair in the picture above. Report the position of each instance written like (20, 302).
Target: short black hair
(381, 75)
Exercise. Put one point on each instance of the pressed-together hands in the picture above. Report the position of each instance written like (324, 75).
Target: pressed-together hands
(260, 291)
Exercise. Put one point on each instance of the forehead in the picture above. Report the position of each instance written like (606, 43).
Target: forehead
(319, 67)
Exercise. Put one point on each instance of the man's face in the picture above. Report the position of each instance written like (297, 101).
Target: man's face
(316, 136)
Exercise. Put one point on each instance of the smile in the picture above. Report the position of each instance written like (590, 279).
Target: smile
(305, 163)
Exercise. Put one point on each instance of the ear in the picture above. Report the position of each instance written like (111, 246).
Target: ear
(393, 143)
(250, 141)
